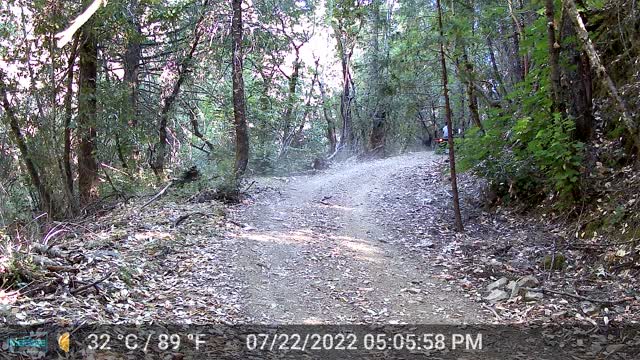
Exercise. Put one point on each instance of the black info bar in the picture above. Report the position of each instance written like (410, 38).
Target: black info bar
(176, 341)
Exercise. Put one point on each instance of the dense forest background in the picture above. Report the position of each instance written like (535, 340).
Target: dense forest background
(543, 95)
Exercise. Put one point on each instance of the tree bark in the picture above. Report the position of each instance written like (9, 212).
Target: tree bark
(576, 89)
(463, 106)
(297, 138)
(518, 63)
(288, 132)
(554, 57)
(471, 93)
(46, 202)
(291, 98)
(87, 115)
(331, 127)
(428, 140)
(447, 104)
(494, 66)
(68, 115)
(597, 65)
(132, 58)
(347, 137)
(378, 130)
(239, 106)
(193, 116)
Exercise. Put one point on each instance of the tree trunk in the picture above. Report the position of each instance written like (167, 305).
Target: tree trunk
(447, 104)
(471, 93)
(195, 127)
(494, 66)
(132, 58)
(376, 76)
(331, 127)
(46, 202)
(239, 107)
(576, 90)
(289, 132)
(167, 103)
(347, 137)
(462, 108)
(554, 57)
(428, 140)
(68, 115)
(594, 59)
(518, 66)
(291, 101)
(378, 133)
(87, 115)
(297, 138)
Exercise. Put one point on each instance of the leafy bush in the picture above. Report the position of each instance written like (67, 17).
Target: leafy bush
(526, 156)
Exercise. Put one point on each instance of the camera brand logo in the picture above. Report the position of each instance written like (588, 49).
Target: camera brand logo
(34, 345)
(63, 342)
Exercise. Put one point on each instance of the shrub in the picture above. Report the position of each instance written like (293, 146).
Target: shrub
(526, 157)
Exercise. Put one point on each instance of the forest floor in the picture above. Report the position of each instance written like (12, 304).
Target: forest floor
(362, 242)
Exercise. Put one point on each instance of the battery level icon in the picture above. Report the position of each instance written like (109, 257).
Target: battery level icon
(63, 342)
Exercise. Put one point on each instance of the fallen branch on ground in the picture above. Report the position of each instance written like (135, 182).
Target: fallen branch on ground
(249, 187)
(164, 189)
(185, 216)
(85, 287)
(62, 268)
(495, 313)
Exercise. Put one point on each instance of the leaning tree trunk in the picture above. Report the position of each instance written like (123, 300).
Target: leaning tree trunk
(46, 202)
(239, 107)
(167, 102)
(87, 116)
(447, 105)
(607, 82)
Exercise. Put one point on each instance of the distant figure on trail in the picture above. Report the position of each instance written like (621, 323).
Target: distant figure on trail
(445, 132)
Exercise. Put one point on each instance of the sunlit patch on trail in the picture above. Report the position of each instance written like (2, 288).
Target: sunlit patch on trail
(296, 237)
(334, 206)
(313, 321)
(362, 248)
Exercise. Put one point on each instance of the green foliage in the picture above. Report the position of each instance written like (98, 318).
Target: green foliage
(16, 267)
(526, 154)
(558, 155)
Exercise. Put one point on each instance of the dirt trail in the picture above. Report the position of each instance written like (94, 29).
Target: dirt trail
(318, 254)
